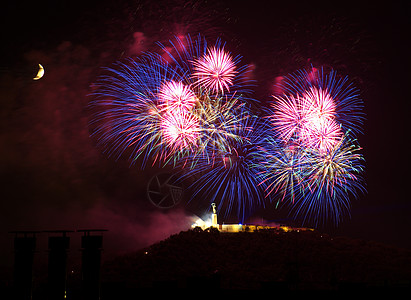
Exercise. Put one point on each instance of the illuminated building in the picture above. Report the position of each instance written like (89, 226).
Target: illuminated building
(212, 222)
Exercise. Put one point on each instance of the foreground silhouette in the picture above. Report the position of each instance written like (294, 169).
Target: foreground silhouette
(263, 259)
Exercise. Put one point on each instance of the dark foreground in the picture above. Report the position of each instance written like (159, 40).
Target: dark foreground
(207, 262)
(268, 259)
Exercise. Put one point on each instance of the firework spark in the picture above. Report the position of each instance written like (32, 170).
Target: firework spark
(129, 114)
(332, 178)
(313, 161)
(176, 96)
(326, 94)
(180, 130)
(230, 179)
(209, 68)
(215, 71)
(189, 107)
(220, 121)
(283, 171)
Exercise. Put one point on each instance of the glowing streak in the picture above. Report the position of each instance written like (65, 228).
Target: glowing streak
(283, 171)
(230, 178)
(215, 70)
(220, 121)
(191, 110)
(329, 95)
(309, 119)
(176, 96)
(180, 130)
(331, 179)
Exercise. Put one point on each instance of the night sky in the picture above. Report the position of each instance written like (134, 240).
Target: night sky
(53, 176)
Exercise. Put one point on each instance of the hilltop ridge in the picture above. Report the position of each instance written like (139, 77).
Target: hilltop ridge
(263, 259)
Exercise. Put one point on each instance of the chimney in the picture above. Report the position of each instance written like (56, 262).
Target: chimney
(57, 265)
(24, 248)
(91, 247)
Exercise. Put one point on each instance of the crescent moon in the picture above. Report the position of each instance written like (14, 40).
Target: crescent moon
(40, 73)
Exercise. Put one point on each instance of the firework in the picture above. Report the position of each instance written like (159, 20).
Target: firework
(210, 69)
(188, 106)
(283, 171)
(220, 120)
(316, 110)
(313, 162)
(179, 130)
(128, 112)
(331, 180)
(326, 95)
(316, 185)
(230, 179)
(321, 134)
(175, 96)
(215, 71)
(152, 108)
(303, 120)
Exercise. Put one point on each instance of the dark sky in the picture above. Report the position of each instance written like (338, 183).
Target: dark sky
(54, 177)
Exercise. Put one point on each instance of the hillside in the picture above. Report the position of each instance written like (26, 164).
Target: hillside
(263, 259)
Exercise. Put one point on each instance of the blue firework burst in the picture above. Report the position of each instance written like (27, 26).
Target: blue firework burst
(127, 115)
(332, 180)
(230, 179)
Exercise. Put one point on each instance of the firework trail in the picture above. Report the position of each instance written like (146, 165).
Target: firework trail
(215, 71)
(189, 106)
(230, 179)
(176, 97)
(332, 180)
(211, 69)
(161, 106)
(220, 119)
(314, 164)
(317, 96)
(126, 118)
(283, 171)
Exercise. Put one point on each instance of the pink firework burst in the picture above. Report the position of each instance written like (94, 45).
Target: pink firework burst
(309, 118)
(287, 116)
(180, 130)
(215, 71)
(176, 96)
(319, 128)
(318, 104)
(321, 134)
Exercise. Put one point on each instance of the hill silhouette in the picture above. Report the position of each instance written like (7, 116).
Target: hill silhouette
(256, 260)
